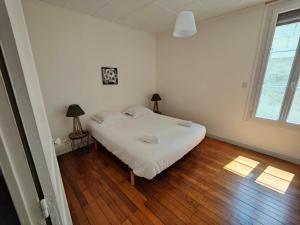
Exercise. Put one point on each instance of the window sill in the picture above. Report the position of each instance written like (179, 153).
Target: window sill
(274, 123)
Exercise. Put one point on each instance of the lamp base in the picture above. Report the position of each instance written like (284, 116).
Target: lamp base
(77, 129)
(155, 107)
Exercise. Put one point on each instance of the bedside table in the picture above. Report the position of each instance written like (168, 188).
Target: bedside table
(80, 141)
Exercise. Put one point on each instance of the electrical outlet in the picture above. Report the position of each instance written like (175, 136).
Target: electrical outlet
(57, 141)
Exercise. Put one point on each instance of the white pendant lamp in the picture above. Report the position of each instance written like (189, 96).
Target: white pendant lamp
(185, 25)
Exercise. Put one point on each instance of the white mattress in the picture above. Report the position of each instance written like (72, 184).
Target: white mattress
(147, 160)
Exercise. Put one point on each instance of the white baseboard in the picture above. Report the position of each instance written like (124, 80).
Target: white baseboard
(252, 148)
(62, 149)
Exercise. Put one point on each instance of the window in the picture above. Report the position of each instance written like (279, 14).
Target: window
(278, 95)
(294, 114)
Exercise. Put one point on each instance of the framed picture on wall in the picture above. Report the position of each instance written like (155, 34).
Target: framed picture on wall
(109, 75)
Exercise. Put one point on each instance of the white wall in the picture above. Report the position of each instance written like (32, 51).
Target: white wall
(70, 48)
(200, 79)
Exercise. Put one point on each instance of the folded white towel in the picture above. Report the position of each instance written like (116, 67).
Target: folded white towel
(151, 139)
(185, 123)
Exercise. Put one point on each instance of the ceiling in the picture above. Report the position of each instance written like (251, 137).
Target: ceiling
(152, 15)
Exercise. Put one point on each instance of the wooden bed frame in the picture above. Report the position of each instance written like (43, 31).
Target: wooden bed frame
(132, 176)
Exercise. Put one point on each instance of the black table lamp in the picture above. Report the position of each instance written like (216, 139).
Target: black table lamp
(155, 98)
(75, 111)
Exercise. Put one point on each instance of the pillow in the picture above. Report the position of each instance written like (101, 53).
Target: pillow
(108, 117)
(137, 111)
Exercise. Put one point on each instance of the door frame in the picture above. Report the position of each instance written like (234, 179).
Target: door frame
(14, 164)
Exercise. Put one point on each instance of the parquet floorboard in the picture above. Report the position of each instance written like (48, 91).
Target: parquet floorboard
(195, 190)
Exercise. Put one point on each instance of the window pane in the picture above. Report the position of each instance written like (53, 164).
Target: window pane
(278, 70)
(294, 114)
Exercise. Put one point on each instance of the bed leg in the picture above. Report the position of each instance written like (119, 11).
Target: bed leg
(132, 178)
(95, 144)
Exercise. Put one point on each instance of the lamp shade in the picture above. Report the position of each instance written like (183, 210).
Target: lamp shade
(155, 97)
(185, 25)
(74, 110)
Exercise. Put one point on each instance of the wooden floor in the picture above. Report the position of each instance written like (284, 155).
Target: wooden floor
(195, 190)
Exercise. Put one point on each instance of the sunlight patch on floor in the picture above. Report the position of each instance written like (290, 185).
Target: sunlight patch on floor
(275, 179)
(241, 166)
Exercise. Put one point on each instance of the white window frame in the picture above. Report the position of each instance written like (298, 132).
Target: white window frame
(268, 27)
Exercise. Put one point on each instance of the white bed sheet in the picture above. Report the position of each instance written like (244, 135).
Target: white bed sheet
(147, 160)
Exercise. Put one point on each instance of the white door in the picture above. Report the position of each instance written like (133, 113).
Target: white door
(14, 164)
(30, 107)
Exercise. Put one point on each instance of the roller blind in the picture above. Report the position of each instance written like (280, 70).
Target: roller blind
(289, 17)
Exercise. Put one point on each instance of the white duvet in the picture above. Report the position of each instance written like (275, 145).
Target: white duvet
(123, 139)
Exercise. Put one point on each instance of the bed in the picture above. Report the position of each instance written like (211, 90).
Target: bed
(123, 139)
